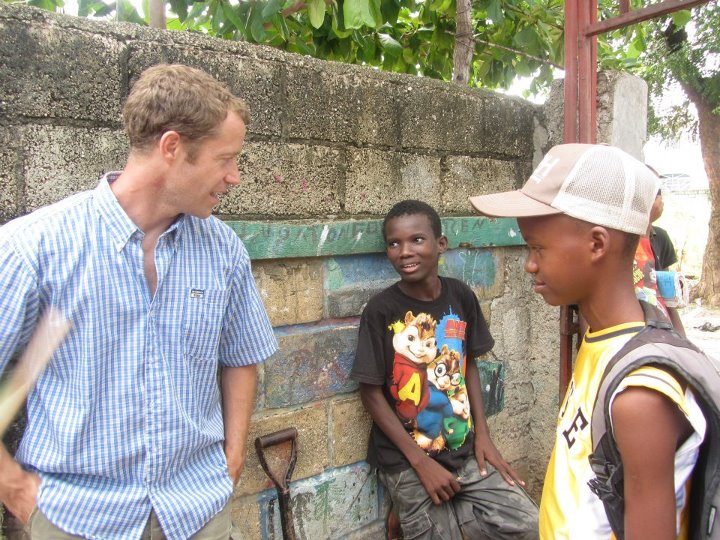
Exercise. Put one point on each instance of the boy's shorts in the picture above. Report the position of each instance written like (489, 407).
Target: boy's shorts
(486, 507)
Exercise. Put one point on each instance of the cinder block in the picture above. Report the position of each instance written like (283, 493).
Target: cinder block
(352, 280)
(9, 163)
(350, 429)
(333, 505)
(291, 290)
(508, 126)
(317, 359)
(442, 117)
(52, 72)
(282, 180)
(312, 445)
(256, 81)
(338, 103)
(62, 160)
(377, 179)
(468, 176)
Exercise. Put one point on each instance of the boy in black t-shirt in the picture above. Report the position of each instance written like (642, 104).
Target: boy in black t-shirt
(415, 363)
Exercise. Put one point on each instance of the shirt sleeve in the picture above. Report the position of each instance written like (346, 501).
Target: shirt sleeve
(19, 302)
(663, 249)
(370, 362)
(479, 339)
(247, 336)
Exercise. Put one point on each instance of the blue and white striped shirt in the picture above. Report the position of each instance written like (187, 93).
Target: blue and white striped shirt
(127, 416)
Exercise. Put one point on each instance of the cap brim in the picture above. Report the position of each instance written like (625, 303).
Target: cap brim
(511, 204)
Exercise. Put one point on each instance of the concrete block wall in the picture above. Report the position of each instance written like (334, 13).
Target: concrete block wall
(331, 147)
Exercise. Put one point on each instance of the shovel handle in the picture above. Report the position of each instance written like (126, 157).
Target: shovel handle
(278, 437)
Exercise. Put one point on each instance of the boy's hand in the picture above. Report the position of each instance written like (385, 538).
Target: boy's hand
(485, 451)
(441, 485)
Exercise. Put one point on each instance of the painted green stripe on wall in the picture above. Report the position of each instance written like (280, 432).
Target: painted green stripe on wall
(284, 239)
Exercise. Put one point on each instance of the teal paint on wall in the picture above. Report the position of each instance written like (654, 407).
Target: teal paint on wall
(476, 267)
(279, 240)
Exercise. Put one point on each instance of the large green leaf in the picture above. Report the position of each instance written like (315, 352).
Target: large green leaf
(231, 15)
(390, 46)
(316, 10)
(359, 13)
(271, 8)
(495, 12)
(681, 18)
(180, 8)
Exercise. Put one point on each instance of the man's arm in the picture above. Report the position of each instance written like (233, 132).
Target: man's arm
(440, 484)
(484, 447)
(648, 428)
(238, 397)
(18, 488)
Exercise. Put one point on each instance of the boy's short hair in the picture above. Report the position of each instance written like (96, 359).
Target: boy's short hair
(174, 97)
(412, 207)
(595, 183)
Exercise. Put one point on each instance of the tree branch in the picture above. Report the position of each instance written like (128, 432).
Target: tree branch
(518, 52)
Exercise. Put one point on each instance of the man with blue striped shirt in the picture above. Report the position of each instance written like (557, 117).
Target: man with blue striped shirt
(129, 435)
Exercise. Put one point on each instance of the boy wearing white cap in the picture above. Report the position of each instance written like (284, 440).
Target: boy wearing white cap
(581, 214)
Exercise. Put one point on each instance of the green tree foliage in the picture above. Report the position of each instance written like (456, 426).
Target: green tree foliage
(512, 37)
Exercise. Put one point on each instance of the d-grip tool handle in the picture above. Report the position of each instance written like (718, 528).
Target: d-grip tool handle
(282, 479)
(272, 439)
(277, 437)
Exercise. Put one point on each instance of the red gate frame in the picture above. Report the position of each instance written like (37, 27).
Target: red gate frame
(580, 123)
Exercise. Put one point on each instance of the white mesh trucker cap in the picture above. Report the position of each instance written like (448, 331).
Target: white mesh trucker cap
(596, 183)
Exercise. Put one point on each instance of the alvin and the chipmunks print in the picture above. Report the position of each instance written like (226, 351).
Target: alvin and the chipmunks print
(428, 380)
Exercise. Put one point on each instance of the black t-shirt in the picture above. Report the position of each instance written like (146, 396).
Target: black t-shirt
(663, 248)
(417, 351)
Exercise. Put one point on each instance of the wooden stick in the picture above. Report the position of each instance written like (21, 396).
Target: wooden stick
(49, 333)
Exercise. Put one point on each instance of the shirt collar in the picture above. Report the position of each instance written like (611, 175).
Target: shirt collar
(121, 227)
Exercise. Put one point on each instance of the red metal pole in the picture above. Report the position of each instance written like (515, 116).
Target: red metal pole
(638, 15)
(572, 35)
(587, 74)
(570, 135)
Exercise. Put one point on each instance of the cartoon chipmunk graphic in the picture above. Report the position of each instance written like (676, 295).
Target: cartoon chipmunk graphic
(415, 347)
(445, 419)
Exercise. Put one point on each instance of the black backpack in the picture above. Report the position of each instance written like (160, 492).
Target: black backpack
(659, 345)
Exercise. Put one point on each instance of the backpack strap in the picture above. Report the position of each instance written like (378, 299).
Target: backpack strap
(657, 344)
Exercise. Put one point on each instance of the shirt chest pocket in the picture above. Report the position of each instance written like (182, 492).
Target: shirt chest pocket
(203, 312)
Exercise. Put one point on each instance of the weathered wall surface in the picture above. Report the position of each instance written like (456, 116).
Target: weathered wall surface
(330, 148)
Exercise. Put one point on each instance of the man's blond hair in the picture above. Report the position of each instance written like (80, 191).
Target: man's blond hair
(174, 97)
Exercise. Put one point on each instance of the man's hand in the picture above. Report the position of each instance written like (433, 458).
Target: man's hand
(485, 451)
(18, 493)
(441, 485)
(235, 463)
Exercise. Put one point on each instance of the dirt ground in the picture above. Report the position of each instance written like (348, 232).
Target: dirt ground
(702, 326)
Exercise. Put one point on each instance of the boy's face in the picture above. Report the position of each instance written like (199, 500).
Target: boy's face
(657, 208)
(412, 247)
(558, 257)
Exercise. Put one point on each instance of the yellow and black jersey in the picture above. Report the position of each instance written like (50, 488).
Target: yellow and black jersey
(569, 510)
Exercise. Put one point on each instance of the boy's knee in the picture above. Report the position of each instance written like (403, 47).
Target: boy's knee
(478, 530)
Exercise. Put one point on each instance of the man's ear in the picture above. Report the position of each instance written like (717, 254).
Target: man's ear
(600, 240)
(170, 145)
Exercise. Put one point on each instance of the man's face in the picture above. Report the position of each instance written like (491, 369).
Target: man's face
(412, 248)
(201, 179)
(557, 258)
